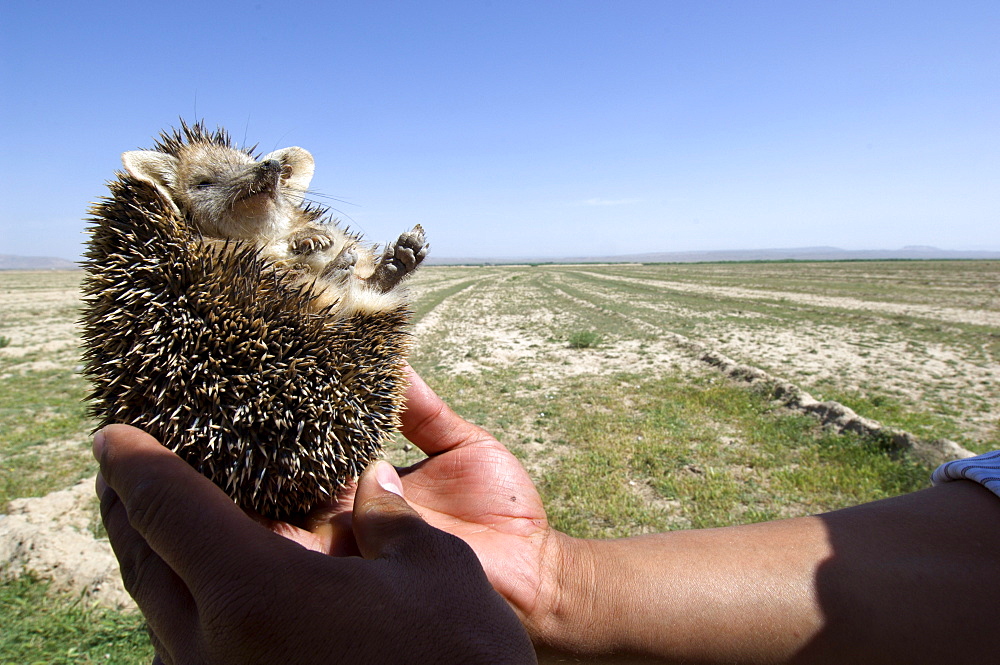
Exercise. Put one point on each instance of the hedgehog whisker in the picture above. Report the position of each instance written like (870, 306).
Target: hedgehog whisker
(313, 193)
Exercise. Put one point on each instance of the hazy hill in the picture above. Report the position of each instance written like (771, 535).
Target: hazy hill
(13, 262)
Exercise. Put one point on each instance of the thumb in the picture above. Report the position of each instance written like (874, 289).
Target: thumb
(383, 521)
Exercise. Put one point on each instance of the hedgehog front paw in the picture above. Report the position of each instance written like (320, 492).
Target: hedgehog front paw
(399, 259)
(342, 266)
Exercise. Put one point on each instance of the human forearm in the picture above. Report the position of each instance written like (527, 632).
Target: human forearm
(713, 595)
(892, 581)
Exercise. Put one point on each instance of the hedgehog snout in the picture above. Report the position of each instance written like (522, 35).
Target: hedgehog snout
(266, 176)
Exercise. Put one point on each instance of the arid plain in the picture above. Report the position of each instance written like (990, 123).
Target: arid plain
(596, 377)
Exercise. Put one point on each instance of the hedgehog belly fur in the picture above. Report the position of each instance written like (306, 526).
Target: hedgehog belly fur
(229, 361)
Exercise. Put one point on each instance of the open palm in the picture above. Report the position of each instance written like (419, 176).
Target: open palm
(469, 486)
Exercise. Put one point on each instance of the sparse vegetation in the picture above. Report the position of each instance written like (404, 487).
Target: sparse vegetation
(584, 339)
(43, 433)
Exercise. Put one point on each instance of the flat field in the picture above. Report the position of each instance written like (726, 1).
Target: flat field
(587, 373)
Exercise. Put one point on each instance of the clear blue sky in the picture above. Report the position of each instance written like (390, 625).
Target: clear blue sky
(536, 128)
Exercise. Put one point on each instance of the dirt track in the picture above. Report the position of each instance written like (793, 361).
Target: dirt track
(925, 355)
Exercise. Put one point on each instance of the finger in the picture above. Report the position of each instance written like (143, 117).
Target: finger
(163, 598)
(378, 508)
(430, 424)
(385, 525)
(327, 528)
(430, 561)
(161, 656)
(182, 516)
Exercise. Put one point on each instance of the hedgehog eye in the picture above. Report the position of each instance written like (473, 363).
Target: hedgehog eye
(203, 183)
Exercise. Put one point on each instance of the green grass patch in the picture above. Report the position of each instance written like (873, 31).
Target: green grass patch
(435, 298)
(56, 629)
(44, 433)
(584, 339)
(656, 454)
(892, 412)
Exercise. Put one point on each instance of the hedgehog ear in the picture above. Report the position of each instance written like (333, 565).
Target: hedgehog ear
(297, 170)
(156, 168)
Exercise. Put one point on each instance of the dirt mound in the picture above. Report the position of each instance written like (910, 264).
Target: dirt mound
(50, 537)
(836, 415)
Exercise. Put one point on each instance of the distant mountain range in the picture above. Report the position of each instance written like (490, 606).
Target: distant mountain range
(912, 252)
(790, 254)
(12, 262)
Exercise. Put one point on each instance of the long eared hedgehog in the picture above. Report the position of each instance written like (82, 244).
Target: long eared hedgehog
(240, 326)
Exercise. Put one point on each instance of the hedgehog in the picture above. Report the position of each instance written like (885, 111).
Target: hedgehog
(241, 325)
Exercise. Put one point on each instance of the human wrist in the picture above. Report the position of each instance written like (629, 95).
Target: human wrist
(578, 608)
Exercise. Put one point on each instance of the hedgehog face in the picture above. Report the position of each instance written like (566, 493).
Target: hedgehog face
(224, 192)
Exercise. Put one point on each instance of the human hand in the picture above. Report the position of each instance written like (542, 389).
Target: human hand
(471, 486)
(216, 586)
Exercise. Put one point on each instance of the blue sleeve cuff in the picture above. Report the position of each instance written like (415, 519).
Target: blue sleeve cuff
(983, 469)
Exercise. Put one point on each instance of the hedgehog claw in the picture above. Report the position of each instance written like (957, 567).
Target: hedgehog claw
(313, 240)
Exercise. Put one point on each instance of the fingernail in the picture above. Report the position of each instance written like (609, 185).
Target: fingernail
(98, 447)
(387, 477)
